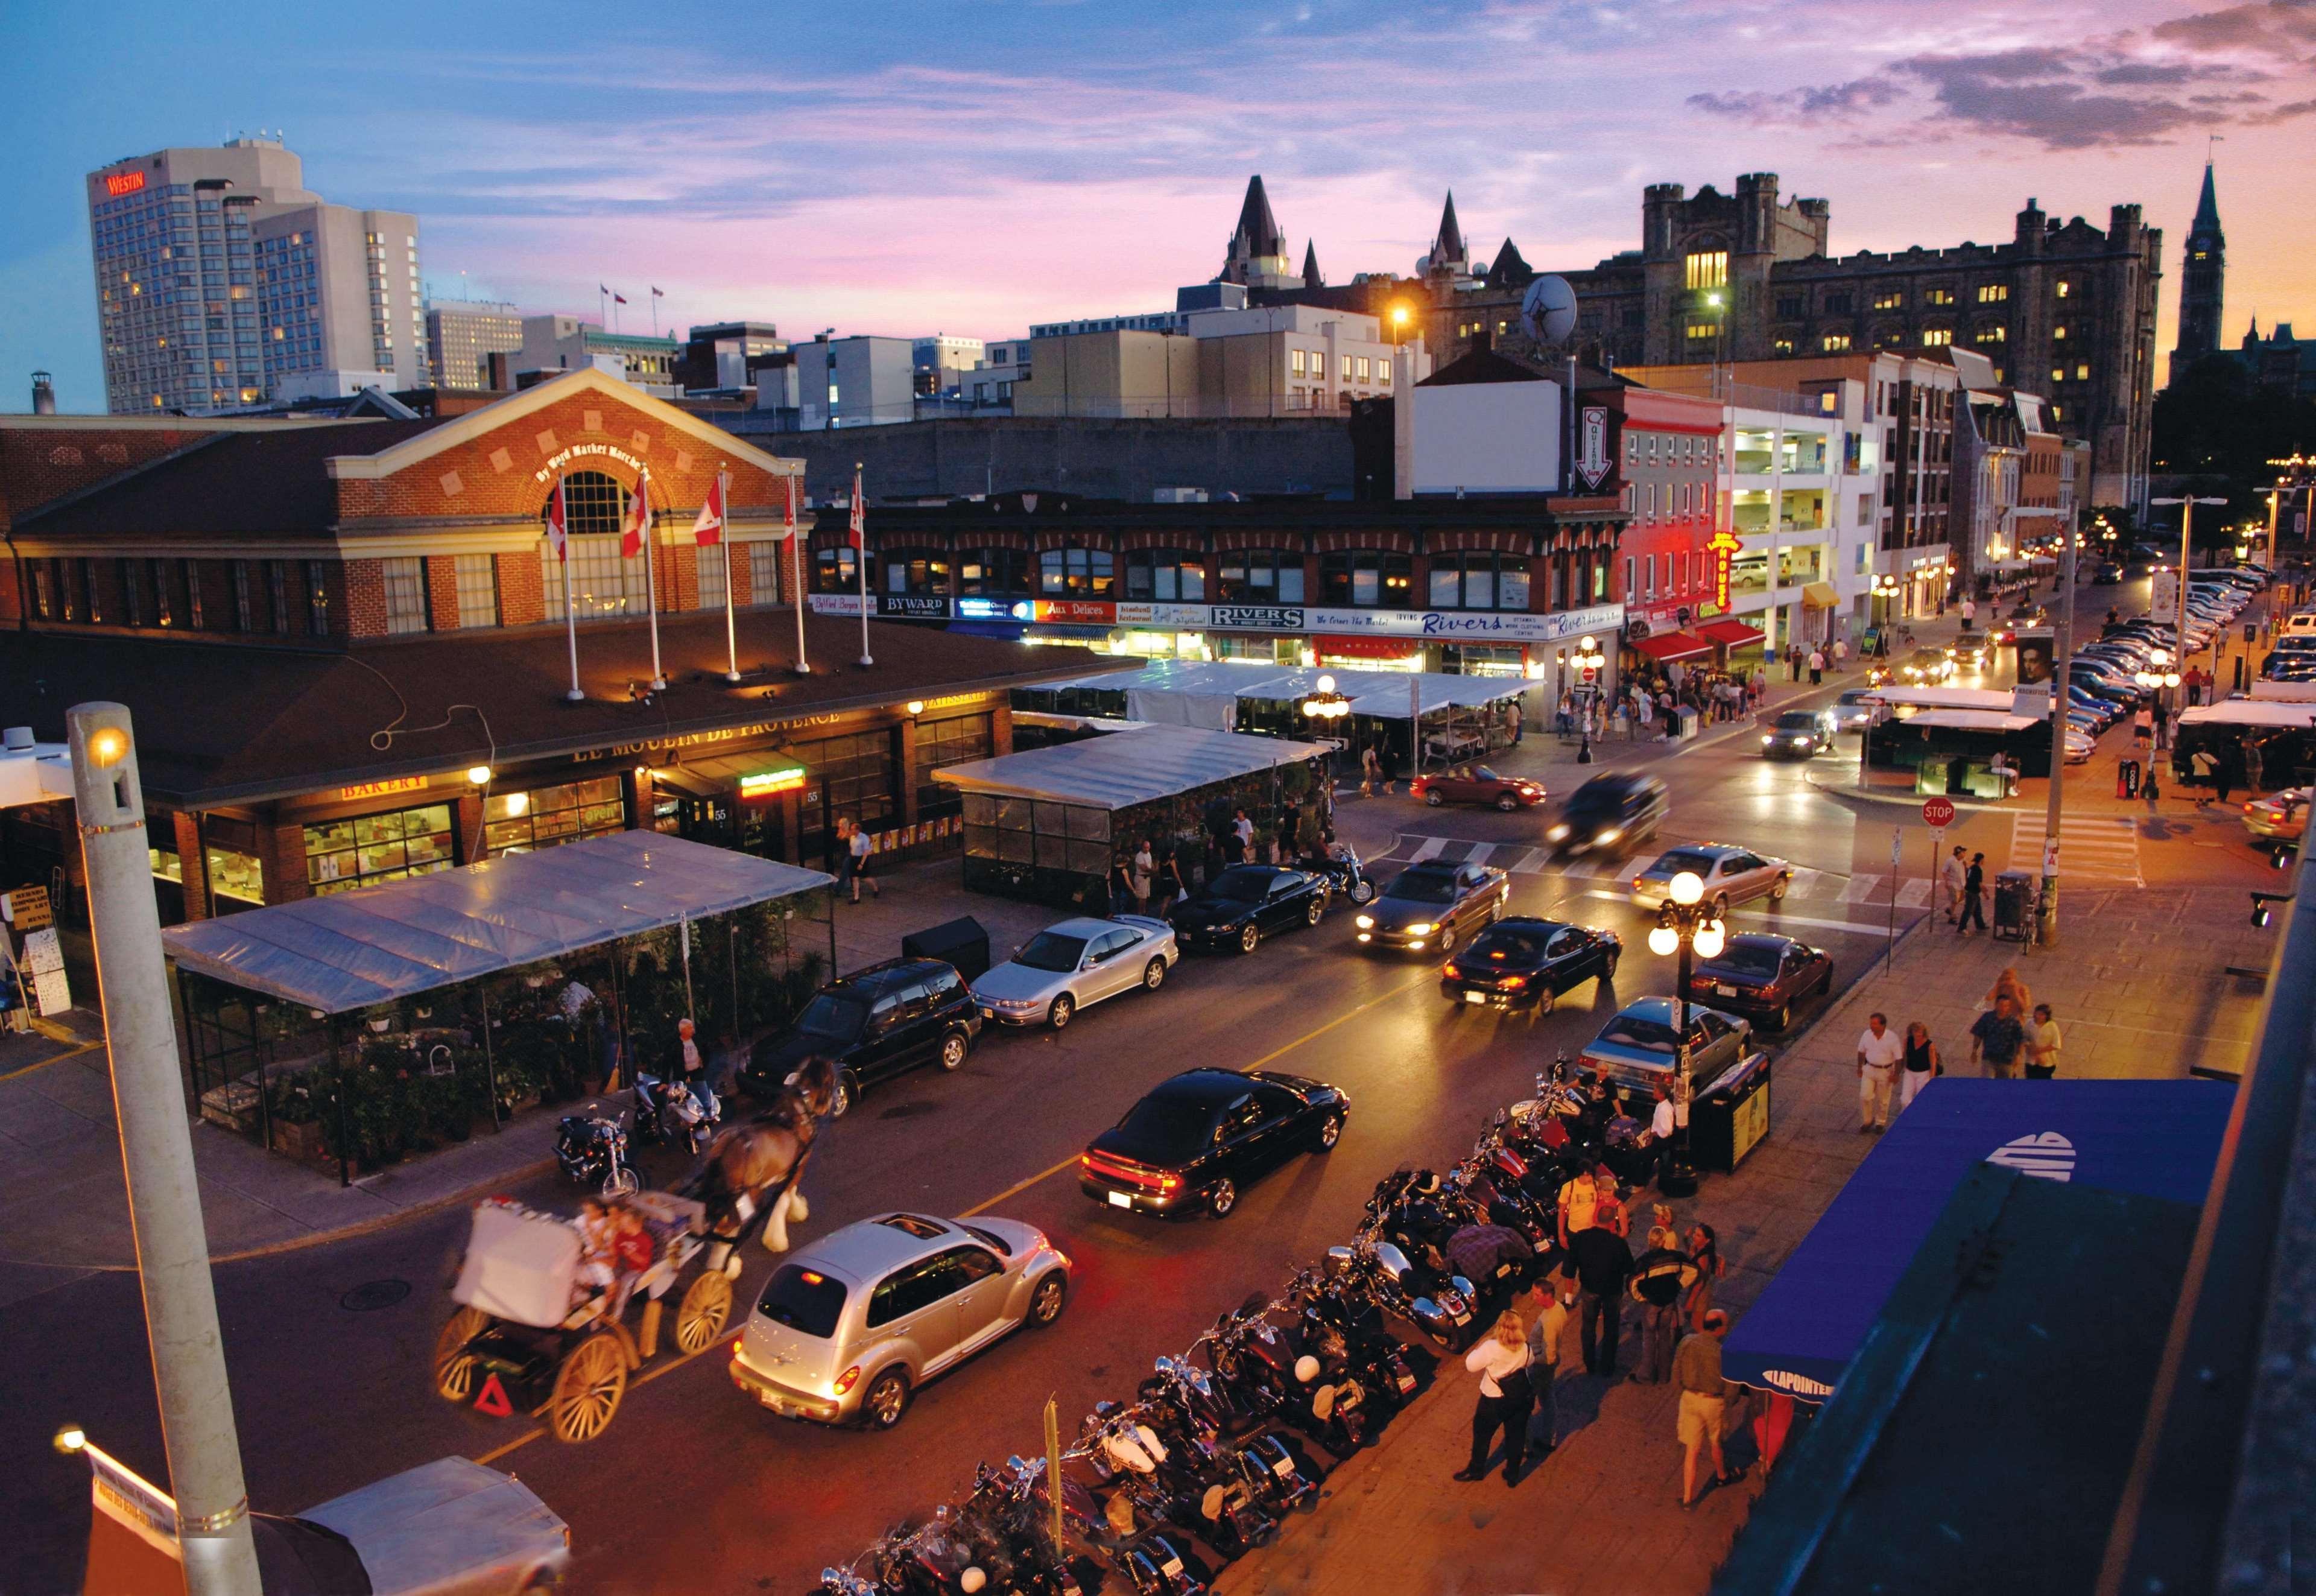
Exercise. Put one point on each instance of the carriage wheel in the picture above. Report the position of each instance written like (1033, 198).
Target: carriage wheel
(705, 1309)
(587, 1389)
(454, 1365)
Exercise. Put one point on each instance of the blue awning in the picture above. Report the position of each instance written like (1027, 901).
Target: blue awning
(2157, 1138)
(1009, 631)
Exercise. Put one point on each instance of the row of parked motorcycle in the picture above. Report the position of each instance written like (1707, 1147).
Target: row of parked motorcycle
(1224, 1442)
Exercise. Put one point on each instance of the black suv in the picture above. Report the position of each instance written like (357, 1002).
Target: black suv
(873, 1023)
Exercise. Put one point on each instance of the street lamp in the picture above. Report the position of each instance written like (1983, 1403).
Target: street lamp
(1398, 323)
(1684, 924)
(1326, 705)
(1589, 660)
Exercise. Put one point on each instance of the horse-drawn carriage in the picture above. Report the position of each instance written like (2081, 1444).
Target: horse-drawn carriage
(533, 1334)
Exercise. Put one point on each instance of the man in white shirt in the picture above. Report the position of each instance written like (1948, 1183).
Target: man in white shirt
(1662, 1124)
(1881, 1052)
(1952, 875)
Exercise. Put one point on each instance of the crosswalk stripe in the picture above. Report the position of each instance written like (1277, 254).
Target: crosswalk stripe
(1428, 849)
(1804, 884)
(1480, 852)
(1530, 863)
(1859, 889)
(1914, 894)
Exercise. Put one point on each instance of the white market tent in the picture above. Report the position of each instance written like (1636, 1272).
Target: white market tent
(2262, 712)
(1126, 768)
(351, 949)
(1207, 692)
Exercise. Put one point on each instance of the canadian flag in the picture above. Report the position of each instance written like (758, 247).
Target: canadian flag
(637, 528)
(788, 518)
(557, 527)
(708, 526)
(856, 532)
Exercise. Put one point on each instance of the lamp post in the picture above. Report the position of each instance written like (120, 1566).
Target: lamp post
(1325, 706)
(1589, 660)
(1682, 924)
(2187, 521)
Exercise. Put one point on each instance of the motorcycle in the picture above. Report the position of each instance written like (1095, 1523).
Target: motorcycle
(1344, 1324)
(1155, 1566)
(1440, 1308)
(673, 1112)
(592, 1150)
(1179, 1484)
(1278, 1478)
(1323, 1403)
(1010, 1539)
(1346, 878)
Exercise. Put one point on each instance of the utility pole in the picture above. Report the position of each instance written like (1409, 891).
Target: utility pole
(156, 1154)
(2187, 521)
(2063, 650)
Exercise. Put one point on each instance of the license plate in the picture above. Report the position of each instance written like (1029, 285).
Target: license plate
(1173, 1567)
(1118, 1200)
(1725, 989)
(1282, 1466)
(1407, 1382)
(989, 1013)
(1476, 997)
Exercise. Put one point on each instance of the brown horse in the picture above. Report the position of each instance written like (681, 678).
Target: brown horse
(766, 1156)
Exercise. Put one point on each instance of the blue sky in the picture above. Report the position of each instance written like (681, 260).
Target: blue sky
(968, 167)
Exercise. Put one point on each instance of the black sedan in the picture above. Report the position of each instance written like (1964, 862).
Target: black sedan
(1246, 903)
(1199, 1139)
(1435, 906)
(1762, 976)
(1521, 962)
(1615, 811)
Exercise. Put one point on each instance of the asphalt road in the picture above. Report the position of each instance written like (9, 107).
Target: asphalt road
(694, 1488)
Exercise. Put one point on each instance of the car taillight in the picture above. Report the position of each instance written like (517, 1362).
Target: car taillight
(1169, 1182)
(848, 1380)
(1453, 974)
(1512, 981)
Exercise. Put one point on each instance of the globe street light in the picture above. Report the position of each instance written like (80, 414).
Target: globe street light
(1684, 924)
(1326, 705)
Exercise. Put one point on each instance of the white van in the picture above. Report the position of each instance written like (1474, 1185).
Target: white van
(2302, 624)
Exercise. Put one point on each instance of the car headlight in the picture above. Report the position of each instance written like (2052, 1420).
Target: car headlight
(1611, 834)
(1365, 923)
(1557, 832)
(1422, 928)
(1767, 740)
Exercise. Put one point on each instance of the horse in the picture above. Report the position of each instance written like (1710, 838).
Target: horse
(766, 1155)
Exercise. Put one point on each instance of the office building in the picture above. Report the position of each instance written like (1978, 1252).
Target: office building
(1274, 360)
(461, 336)
(724, 356)
(855, 382)
(941, 362)
(219, 275)
(569, 343)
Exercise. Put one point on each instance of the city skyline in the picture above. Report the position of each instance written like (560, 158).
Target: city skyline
(1040, 163)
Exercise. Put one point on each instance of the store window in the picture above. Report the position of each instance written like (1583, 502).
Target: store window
(836, 570)
(405, 594)
(1076, 574)
(318, 598)
(941, 743)
(764, 573)
(477, 576)
(343, 854)
(521, 822)
(994, 573)
(1365, 579)
(1013, 834)
(277, 594)
(1166, 575)
(924, 572)
(1258, 576)
(1478, 581)
(229, 852)
(851, 779)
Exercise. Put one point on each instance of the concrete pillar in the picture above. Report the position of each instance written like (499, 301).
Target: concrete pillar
(192, 865)
(156, 1149)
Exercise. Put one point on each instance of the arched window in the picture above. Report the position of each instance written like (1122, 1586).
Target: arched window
(1708, 264)
(600, 583)
(1166, 575)
(1077, 573)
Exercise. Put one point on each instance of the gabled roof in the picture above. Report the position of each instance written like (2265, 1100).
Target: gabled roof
(1510, 269)
(1311, 277)
(1256, 224)
(1484, 365)
(570, 385)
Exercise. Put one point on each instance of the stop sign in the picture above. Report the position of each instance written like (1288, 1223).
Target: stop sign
(1937, 811)
(1591, 675)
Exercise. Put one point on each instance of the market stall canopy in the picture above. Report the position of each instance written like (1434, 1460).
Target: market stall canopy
(1205, 692)
(1975, 721)
(1664, 647)
(350, 950)
(2157, 1138)
(1126, 768)
(2264, 713)
(1735, 634)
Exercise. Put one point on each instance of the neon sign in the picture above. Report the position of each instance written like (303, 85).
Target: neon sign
(1722, 546)
(764, 784)
(117, 183)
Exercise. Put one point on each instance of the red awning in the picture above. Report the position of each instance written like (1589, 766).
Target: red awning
(1666, 647)
(1736, 634)
(1366, 647)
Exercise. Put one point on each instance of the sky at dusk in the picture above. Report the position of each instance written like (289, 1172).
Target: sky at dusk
(972, 165)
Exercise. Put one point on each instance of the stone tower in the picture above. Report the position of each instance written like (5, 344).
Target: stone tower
(2200, 282)
(1257, 255)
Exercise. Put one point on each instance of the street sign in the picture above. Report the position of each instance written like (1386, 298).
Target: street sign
(28, 907)
(1937, 812)
(1591, 675)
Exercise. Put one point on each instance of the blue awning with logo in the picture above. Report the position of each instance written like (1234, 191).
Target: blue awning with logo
(2157, 1138)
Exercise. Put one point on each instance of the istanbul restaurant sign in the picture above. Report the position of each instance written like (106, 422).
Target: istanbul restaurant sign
(1453, 626)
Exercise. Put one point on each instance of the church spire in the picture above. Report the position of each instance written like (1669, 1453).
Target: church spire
(1311, 278)
(2207, 208)
(1450, 245)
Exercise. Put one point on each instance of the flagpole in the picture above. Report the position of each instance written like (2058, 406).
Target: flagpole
(724, 542)
(861, 558)
(651, 577)
(796, 562)
(570, 612)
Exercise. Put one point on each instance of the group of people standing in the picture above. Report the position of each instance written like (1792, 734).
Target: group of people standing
(2013, 1037)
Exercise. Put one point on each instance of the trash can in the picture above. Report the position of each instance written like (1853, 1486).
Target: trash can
(1731, 1118)
(963, 943)
(2014, 899)
(1684, 722)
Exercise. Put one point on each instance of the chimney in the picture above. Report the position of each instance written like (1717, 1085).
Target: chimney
(44, 394)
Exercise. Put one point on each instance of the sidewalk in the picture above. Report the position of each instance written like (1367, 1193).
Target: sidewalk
(2144, 999)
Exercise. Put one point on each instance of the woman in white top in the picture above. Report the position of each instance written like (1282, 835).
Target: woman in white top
(1501, 1360)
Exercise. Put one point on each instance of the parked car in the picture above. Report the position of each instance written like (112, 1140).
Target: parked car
(1799, 734)
(1855, 709)
(873, 1024)
(1760, 975)
(1077, 963)
(2282, 816)
(1433, 905)
(1477, 784)
(850, 1327)
(1730, 875)
(1246, 903)
(1614, 810)
(1638, 1047)
(1524, 963)
(1196, 1141)
(446, 1525)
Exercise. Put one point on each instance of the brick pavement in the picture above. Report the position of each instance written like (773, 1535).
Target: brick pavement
(2140, 993)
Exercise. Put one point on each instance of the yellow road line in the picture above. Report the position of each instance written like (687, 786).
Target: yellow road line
(58, 1058)
(524, 1440)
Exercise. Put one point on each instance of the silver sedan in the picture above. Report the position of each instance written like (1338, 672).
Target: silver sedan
(1730, 875)
(1067, 966)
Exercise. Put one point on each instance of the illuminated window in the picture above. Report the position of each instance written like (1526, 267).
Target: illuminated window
(2082, 373)
(1294, 362)
(1993, 293)
(519, 822)
(477, 576)
(1085, 573)
(1700, 330)
(2064, 289)
(1939, 296)
(1708, 268)
(1889, 298)
(1835, 343)
(1936, 337)
(2058, 331)
(1996, 335)
(1783, 345)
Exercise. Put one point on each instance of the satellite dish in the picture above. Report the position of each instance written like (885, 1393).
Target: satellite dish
(1548, 310)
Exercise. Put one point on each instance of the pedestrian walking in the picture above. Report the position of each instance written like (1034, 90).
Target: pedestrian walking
(1370, 771)
(1506, 1396)
(1840, 652)
(1922, 1066)
(2161, 715)
(1660, 1276)
(1557, 1293)
(2009, 984)
(1973, 895)
(2042, 1044)
(1996, 1037)
(1951, 876)
(1173, 886)
(1704, 1401)
(1664, 1122)
(2254, 759)
(1580, 1204)
(857, 852)
(1244, 829)
(2143, 728)
(1880, 1056)
(1603, 1262)
(1705, 1252)
(2206, 764)
(1816, 666)
(1792, 661)
(1564, 719)
(1969, 614)
(1138, 880)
